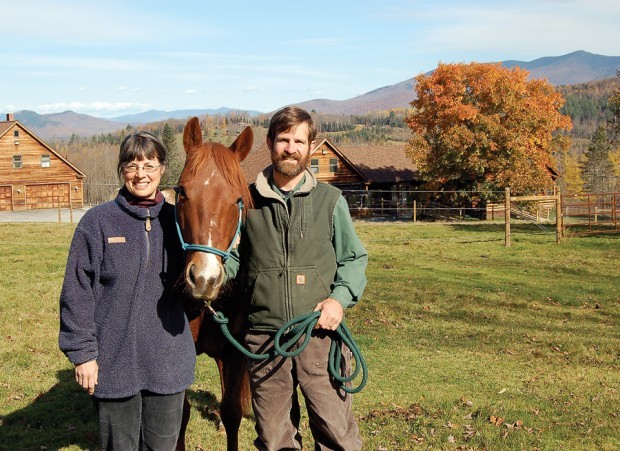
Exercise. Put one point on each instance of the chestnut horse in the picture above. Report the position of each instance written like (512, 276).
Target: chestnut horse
(211, 198)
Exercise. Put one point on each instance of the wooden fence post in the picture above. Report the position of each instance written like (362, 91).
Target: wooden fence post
(507, 216)
(415, 213)
(559, 221)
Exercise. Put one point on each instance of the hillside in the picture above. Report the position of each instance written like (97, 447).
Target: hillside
(158, 115)
(572, 69)
(63, 125)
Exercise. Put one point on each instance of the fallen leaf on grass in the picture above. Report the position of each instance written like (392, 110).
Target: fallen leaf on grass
(497, 421)
(468, 431)
(466, 401)
(417, 439)
(519, 423)
(451, 439)
(501, 391)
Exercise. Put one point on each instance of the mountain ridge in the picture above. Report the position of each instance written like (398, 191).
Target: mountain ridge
(573, 68)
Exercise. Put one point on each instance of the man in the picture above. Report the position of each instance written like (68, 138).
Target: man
(299, 253)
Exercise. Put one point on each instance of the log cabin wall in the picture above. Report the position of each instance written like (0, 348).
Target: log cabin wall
(34, 176)
(328, 167)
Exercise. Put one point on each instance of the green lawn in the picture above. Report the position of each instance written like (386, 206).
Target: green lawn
(469, 344)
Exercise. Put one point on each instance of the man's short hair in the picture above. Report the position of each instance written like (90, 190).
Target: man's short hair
(290, 117)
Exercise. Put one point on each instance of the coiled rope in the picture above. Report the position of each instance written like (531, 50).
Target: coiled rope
(297, 328)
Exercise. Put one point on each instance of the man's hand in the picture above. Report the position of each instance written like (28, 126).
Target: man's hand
(332, 314)
(86, 374)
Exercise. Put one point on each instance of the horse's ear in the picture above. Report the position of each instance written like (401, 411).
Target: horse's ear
(169, 195)
(243, 144)
(192, 135)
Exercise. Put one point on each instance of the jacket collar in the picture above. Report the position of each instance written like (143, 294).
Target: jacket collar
(136, 211)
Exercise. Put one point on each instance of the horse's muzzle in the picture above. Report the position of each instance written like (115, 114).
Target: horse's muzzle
(204, 279)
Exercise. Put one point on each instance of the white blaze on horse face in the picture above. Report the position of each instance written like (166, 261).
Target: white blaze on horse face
(207, 273)
(209, 178)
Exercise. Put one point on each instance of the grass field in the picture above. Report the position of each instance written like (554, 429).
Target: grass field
(469, 344)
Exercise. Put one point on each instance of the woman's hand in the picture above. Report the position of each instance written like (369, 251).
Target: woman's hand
(86, 374)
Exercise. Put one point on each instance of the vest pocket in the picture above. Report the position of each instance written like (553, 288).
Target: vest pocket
(268, 298)
(308, 288)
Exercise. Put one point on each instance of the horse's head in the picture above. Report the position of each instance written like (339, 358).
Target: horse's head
(210, 196)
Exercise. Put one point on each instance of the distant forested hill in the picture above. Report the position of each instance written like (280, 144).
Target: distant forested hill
(586, 104)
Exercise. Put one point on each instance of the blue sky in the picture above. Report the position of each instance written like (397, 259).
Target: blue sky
(120, 57)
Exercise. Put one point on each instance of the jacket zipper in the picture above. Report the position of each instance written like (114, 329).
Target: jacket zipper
(147, 228)
(301, 224)
(286, 269)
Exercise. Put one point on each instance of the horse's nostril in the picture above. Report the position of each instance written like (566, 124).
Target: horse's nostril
(192, 276)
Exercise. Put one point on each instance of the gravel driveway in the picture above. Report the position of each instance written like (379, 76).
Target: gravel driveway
(49, 215)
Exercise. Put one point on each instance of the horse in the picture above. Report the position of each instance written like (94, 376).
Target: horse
(211, 198)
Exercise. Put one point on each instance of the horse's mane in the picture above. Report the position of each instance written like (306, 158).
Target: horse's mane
(226, 162)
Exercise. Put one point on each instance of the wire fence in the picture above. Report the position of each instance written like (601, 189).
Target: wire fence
(423, 205)
(580, 213)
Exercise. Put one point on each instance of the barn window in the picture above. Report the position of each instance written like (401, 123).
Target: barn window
(16, 133)
(46, 162)
(314, 165)
(333, 165)
(17, 161)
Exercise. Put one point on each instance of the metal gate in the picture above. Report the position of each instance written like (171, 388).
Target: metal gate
(590, 213)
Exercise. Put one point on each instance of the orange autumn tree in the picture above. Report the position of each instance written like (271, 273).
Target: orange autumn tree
(483, 126)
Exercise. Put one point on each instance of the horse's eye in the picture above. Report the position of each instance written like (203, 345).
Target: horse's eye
(179, 190)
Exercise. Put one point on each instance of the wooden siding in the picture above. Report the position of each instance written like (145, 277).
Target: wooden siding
(343, 173)
(33, 186)
(6, 198)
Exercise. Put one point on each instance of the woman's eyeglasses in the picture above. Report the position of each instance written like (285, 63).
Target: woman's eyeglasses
(148, 168)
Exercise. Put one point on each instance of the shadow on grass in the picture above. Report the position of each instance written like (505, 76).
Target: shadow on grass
(63, 416)
(206, 403)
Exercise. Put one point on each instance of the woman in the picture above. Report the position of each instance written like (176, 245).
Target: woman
(121, 319)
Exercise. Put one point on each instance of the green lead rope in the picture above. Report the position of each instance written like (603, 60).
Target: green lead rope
(297, 328)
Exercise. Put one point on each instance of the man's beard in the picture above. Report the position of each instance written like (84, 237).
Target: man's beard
(285, 166)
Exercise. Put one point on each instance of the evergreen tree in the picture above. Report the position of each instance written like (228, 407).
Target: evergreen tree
(176, 158)
(614, 105)
(597, 170)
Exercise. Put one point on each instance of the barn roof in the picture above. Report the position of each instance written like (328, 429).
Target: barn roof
(5, 126)
(374, 164)
(382, 164)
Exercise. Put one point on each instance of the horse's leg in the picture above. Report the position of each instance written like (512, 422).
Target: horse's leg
(235, 396)
(184, 421)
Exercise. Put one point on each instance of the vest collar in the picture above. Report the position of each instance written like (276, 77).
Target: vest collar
(263, 184)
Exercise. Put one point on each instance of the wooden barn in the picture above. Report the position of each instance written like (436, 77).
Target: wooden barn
(353, 168)
(367, 175)
(32, 174)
